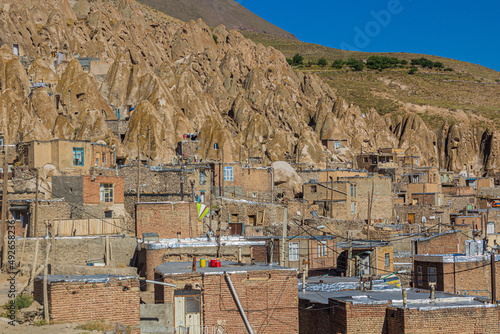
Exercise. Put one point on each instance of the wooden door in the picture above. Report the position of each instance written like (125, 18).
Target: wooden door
(411, 218)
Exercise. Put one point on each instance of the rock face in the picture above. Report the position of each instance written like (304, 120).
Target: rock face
(186, 78)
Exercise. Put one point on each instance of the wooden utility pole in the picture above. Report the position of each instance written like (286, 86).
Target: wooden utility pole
(211, 194)
(284, 237)
(349, 256)
(45, 291)
(138, 169)
(5, 187)
(36, 203)
(149, 148)
(331, 197)
(493, 280)
(218, 238)
(327, 199)
(222, 159)
(370, 203)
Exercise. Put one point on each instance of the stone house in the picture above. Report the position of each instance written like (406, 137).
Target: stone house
(207, 297)
(448, 242)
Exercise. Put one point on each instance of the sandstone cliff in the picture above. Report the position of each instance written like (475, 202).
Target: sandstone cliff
(184, 77)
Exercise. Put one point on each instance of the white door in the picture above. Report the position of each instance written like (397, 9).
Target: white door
(187, 311)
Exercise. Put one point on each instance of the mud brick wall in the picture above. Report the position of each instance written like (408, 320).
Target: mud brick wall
(452, 320)
(117, 301)
(167, 219)
(48, 211)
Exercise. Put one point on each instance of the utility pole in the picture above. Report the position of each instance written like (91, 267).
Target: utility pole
(211, 194)
(370, 200)
(303, 205)
(349, 256)
(218, 238)
(4, 204)
(327, 199)
(138, 169)
(36, 203)
(284, 237)
(493, 280)
(149, 148)
(222, 159)
(331, 197)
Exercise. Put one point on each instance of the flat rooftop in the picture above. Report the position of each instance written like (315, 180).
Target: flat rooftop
(454, 258)
(417, 299)
(180, 268)
(200, 242)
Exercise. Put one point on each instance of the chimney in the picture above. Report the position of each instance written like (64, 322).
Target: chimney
(433, 289)
(405, 298)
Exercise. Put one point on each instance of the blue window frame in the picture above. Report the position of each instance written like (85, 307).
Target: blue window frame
(228, 173)
(78, 156)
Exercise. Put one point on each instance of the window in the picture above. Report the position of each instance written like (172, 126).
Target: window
(1, 141)
(78, 156)
(293, 251)
(203, 177)
(254, 195)
(431, 271)
(353, 207)
(365, 159)
(322, 249)
(228, 173)
(442, 178)
(314, 189)
(107, 192)
(336, 144)
(103, 159)
(97, 162)
(449, 203)
(387, 260)
(419, 276)
(447, 178)
(108, 214)
(353, 190)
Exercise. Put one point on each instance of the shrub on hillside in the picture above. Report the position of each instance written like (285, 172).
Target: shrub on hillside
(355, 64)
(322, 62)
(338, 64)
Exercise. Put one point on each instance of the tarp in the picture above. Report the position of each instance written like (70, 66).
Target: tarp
(202, 210)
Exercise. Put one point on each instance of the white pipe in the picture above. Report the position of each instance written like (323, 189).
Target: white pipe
(160, 283)
(240, 308)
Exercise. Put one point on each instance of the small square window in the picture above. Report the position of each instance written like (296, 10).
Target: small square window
(108, 214)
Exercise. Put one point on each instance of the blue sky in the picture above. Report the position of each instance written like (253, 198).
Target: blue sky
(464, 30)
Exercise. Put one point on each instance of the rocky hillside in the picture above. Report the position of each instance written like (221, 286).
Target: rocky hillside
(216, 12)
(187, 78)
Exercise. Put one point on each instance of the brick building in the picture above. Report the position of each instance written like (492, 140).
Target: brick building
(448, 242)
(168, 219)
(205, 298)
(76, 299)
(93, 197)
(383, 312)
(153, 254)
(455, 273)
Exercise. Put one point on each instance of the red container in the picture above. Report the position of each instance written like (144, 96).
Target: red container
(217, 263)
(213, 263)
